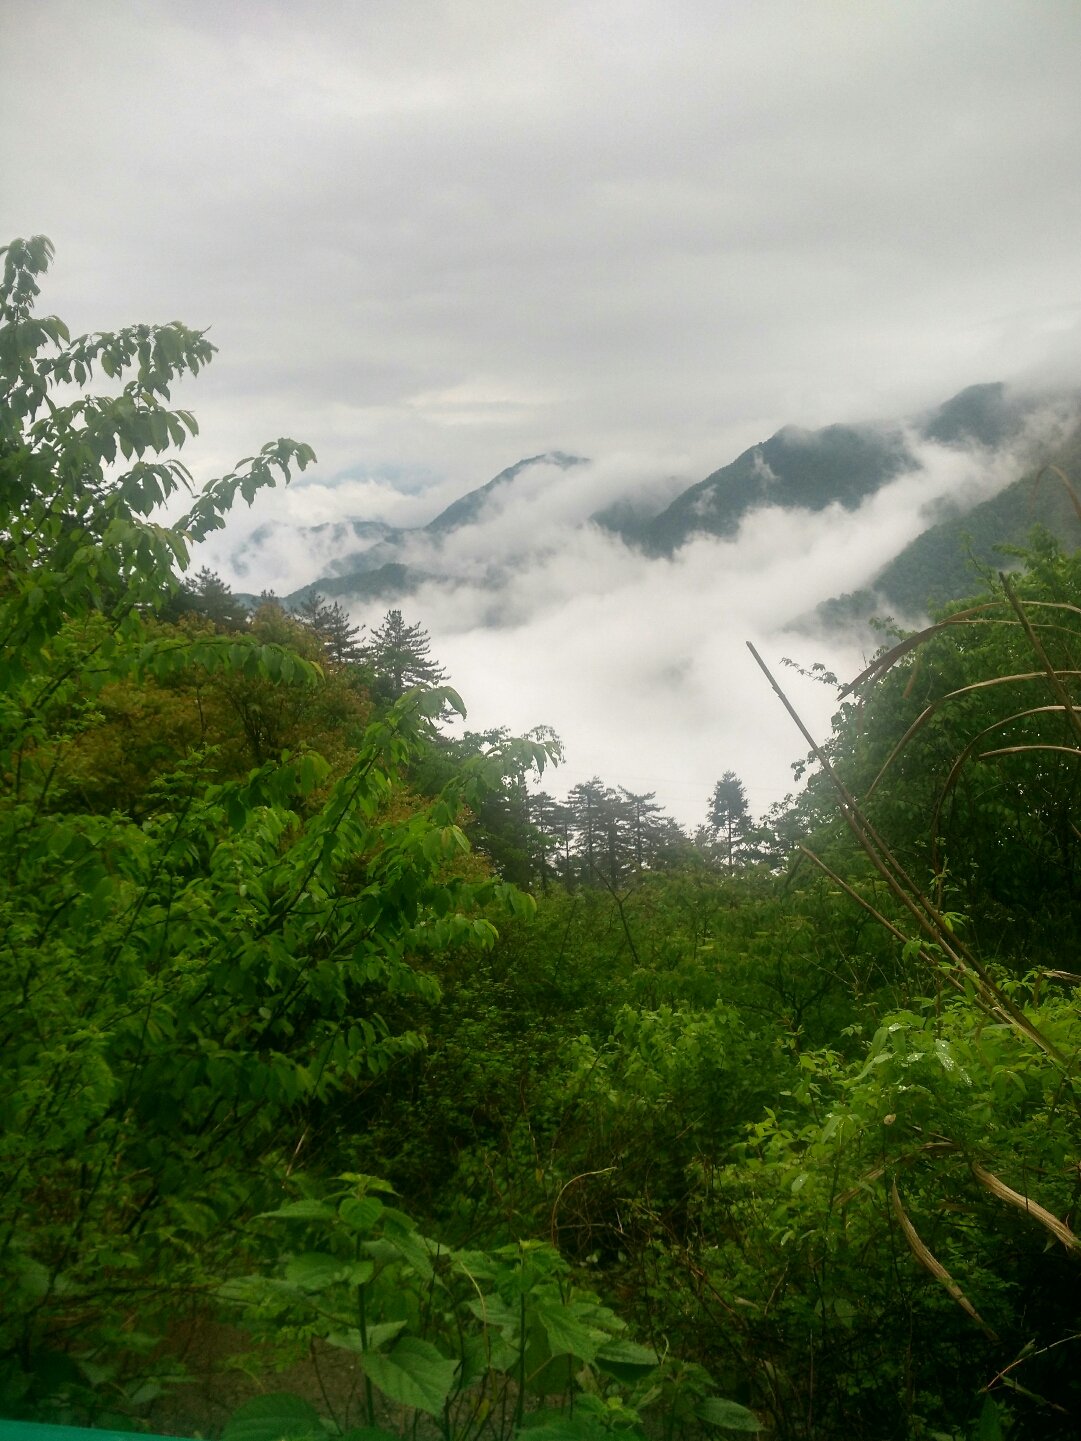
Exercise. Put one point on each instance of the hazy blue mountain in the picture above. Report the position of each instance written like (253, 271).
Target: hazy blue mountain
(387, 582)
(944, 562)
(940, 564)
(469, 507)
(379, 572)
(379, 542)
(812, 469)
(794, 469)
(985, 414)
(629, 519)
(804, 468)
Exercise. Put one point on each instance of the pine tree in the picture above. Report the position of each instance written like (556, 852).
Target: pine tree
(642, 817)
(398, 655)
(603, 842)
(342, 640)
(331, 623)
(206, 594)
(729, 819)
(312, 611)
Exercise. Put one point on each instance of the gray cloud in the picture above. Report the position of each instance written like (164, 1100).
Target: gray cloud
(431, 239)
(641, 664)
(466, 233)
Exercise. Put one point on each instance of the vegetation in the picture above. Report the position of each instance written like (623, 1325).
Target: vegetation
(938, 566)
(772, 1131)
(399, 656)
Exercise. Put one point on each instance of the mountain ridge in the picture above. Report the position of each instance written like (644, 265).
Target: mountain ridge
(796, 469)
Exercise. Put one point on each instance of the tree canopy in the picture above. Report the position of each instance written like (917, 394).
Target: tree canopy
(330, 622)
(729, 819)
(399, 655)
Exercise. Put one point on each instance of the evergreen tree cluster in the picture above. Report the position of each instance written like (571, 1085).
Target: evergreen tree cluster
(396, 656)
(602, 836)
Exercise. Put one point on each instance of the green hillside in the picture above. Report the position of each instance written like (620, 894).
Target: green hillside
(946, 560)
(808, 469)
(468, 508)
(385, 582)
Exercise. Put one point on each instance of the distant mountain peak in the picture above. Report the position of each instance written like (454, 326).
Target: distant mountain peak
(808, 469)
(795, 469)
(980, 414)
(469, 506)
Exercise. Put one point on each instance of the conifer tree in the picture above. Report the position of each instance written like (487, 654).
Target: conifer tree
(342, 639)
(399, 656)
(730, 819)
(206, 594)
(331, 623)
(312, 611)
(642, 819)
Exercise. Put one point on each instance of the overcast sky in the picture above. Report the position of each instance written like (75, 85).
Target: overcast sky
(432, 238)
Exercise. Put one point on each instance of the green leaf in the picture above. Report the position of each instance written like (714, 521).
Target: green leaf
(315, 1271)
(278, 1417)
(360, 1213)
(626, 1360)
(308, 1210)
(494, 1311)
(583, 1427)
(414, 1250)
(31, 1278)
(567, 1333)
(378, 1335)
(414, 1374)
(989, 1427)
(728, 1414)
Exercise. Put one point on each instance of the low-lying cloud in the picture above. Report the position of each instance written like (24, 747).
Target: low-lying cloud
(542, 617)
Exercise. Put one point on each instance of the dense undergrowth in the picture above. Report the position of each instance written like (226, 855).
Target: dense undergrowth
(678, 1146)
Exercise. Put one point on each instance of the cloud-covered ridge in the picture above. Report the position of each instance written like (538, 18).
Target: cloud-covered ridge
(542, 615)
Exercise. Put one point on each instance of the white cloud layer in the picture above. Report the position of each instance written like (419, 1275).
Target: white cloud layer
(431, 239)
(641, 663)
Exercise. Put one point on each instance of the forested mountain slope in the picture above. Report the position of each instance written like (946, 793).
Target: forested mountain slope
(794, 470)
(946, 560)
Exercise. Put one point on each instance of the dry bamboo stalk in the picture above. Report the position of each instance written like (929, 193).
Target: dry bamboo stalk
(1030, 1207)
(935, 1267)
(881, 664)
(928, 1148)
(1054, 470)
(1053, 677)
(910, 895)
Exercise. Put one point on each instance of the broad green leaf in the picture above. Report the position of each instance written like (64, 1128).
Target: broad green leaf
(581, 1427)
(728, 1414)
(567, 1333)
(360, 1213)
(278, 1417)
(989, 1427)
(413, 1249)
(414, 1374)
(32, 1278)
(626, 1360)
(628, 1353)
(315, 1271)
(494, 1311)
(308, 1210)
(378, 1335)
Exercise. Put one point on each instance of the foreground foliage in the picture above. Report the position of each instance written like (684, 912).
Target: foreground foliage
(807, 1129)
(188, 981)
